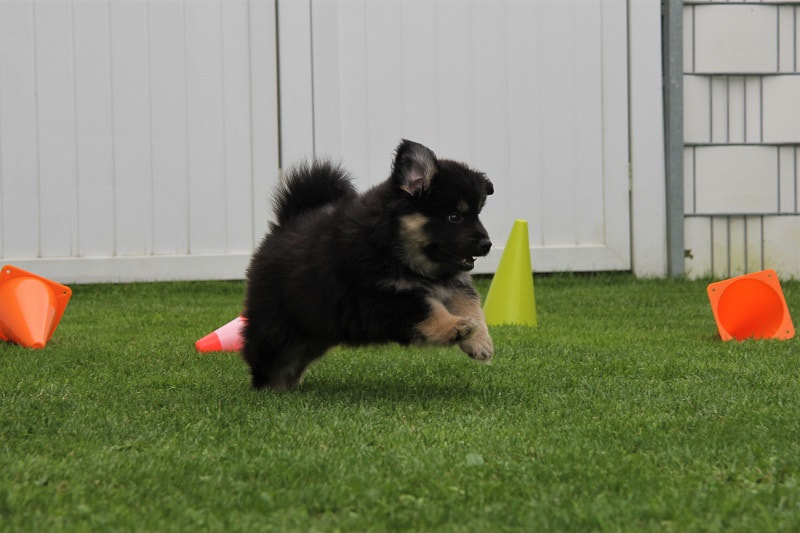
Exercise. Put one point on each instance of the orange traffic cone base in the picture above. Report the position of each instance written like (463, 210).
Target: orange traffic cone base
(751, 306)
(30, 307)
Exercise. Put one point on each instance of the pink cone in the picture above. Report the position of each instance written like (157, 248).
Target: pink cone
(227, 338)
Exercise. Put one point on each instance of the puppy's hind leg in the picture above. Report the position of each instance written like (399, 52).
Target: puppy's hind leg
(259, 356)
(301, 355)
(281, 368)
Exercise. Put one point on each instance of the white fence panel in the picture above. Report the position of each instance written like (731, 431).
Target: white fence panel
(130, 86)
(19, 166)
(94, 130)
(296, 87)
(138, 140)
(533, 93)
(168, 104)
(56, 130)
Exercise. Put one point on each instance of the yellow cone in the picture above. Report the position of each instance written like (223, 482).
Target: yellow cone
(510, 299)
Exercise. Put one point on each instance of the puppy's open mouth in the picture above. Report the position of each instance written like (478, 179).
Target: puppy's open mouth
(466, 263)
(455, 260)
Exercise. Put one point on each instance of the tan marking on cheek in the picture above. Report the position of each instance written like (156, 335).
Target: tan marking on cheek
(412, 229)
(414, 238)
(463, 207)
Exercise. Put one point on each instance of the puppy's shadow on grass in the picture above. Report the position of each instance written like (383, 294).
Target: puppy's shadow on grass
(398, 391)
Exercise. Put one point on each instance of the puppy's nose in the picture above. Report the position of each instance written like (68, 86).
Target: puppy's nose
(484, 246)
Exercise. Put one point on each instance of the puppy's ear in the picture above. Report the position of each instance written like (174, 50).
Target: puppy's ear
(414, 167)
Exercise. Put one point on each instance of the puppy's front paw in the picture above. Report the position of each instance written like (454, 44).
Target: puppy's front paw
(463, 329)
(479, 346)
(442, 327)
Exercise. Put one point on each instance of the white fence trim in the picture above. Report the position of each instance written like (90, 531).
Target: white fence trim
(136, 268)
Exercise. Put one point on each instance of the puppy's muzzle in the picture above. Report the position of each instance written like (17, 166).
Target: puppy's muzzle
(484, 246)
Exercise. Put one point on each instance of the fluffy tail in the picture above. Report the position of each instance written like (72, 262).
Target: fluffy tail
(308, 187)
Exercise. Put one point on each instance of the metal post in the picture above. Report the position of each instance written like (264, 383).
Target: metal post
(672, 20)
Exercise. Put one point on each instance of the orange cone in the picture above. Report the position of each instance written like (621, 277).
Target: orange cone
(227, 338)
(751, 306)
(30, 307)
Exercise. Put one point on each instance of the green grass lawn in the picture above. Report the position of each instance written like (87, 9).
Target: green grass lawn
(621, 411)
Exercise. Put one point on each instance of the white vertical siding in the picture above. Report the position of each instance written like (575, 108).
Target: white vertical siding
(781, 109)
(742, 131)
(733, 39)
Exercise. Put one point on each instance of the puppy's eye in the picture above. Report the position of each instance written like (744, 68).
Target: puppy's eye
(455, 218)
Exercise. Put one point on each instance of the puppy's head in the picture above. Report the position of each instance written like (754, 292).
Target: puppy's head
(439, 229)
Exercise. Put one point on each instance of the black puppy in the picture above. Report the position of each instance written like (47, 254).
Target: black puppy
(389, 265)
